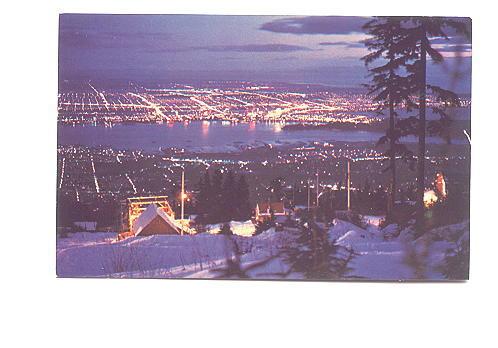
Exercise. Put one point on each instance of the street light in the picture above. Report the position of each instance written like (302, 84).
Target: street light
(349, 184)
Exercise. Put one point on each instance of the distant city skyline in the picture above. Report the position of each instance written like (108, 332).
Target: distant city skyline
(324, 50)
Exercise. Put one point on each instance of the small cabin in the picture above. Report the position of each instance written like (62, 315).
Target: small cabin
(153, 220)
(265, 210)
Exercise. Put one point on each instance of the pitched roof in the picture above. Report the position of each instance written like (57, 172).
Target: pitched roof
(149, 214)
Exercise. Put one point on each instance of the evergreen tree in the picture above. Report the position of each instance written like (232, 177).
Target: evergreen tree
(389, 88)
(228, 198)
(243, 205)
(325, 211)
(340, 199)
(216, 207)
(204, 197)
(223, 198)
(367, 186)
(226, 230)
(416, 43)
(455, 265)
(276, 189)
(295, 194)
(405, 43)
(233, 267)
(379, 201)
(299, 195)
(316, 257)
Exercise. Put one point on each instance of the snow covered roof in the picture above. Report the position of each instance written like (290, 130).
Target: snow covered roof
(149, 214)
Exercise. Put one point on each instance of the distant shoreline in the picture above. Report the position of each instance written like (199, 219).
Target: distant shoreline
(375, 126)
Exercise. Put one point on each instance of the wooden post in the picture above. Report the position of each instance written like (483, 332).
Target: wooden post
(349, 184)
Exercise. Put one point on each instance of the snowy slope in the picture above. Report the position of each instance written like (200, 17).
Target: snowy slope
(381, 255)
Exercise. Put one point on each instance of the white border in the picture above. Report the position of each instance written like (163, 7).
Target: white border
(39, 309)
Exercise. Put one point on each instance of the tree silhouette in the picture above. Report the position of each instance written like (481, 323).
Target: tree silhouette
(223, 198)
(226, 230)
(404, 42)
(243, 205)
(316, 257)
(215, 208)
(276, 189)
(390, 89)
(204, 198)
(228, 198)
(417, 44)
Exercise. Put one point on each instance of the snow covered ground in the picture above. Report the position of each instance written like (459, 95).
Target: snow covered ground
(384, 257)
(383, 254)
(163, 256)
(240, 228)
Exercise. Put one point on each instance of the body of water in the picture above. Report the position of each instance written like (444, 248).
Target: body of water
(204, 136)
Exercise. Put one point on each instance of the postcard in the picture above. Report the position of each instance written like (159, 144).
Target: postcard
(264, 147)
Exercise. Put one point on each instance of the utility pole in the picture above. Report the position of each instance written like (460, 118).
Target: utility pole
(349, 184)
(317, 188)
(309, 188)
(183, 199)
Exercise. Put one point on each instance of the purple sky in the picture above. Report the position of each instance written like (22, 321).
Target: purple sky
(293, 49)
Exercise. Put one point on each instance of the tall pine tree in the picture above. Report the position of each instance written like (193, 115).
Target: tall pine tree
(405, 42)
(390, 89)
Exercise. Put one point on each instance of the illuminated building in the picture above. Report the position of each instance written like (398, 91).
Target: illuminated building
(441, 185)
(153, 220)
(265, 210)
(136, 205)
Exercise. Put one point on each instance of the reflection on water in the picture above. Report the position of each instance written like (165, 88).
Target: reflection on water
(200, 135)
(205, 128)
(252, 126)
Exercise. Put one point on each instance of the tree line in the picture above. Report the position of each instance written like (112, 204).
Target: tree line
(223, 197)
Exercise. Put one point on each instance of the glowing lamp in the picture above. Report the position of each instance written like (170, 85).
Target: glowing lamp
(430, 198)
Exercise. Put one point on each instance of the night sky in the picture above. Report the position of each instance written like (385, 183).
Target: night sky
(200, 47)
